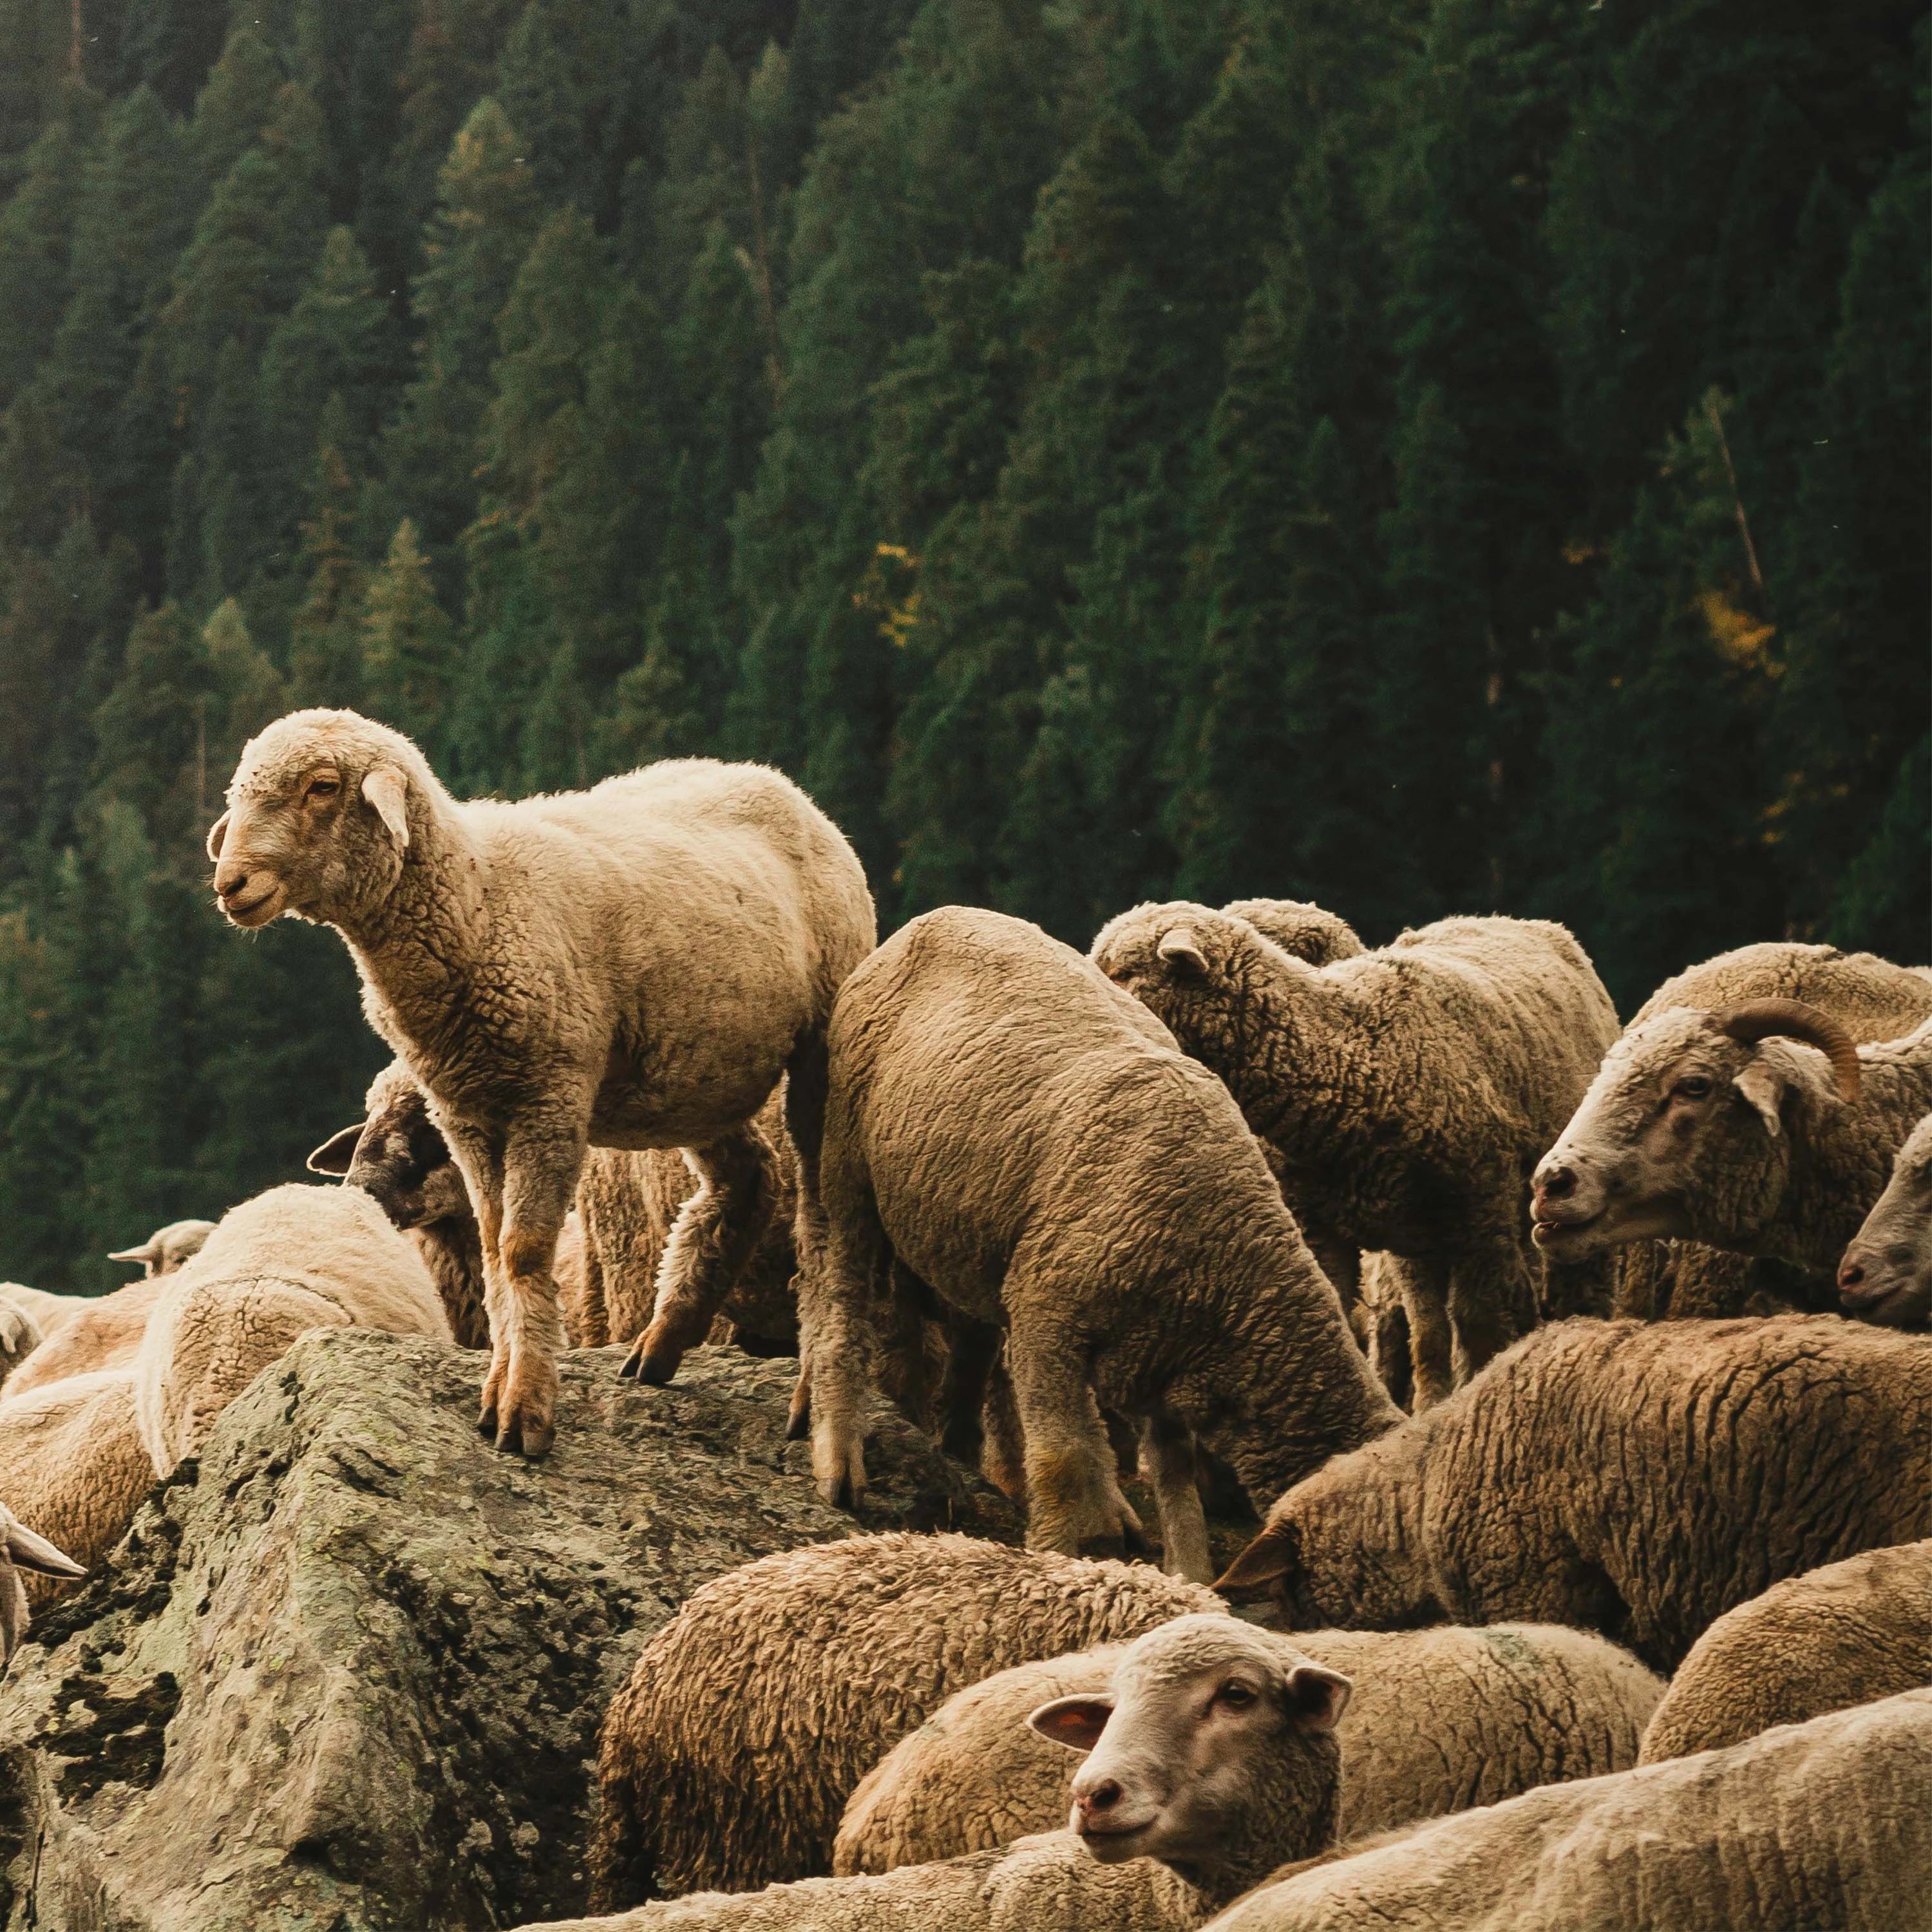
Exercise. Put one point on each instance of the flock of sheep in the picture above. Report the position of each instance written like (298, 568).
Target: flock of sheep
(1233, 1204)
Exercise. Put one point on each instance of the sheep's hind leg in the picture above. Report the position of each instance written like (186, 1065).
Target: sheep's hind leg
(714, 1236)
(1169, 1466)
(1425, 1297)
(1492, 1301)
(1074, 1500)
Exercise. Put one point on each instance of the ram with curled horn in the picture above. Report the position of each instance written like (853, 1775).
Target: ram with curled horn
(1761, 1128)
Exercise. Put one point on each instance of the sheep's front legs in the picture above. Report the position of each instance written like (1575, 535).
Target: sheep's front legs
(713, 1239)
(1074, 1502)
(522, 1195)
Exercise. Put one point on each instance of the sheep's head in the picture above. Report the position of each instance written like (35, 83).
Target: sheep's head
(318, 819)
(1684, 1132)
(21, 1548)
(166, 1248)
(1886, 1274)
(1306, 931)
(1182, 961)
(396, 1154)
(1213, 1751)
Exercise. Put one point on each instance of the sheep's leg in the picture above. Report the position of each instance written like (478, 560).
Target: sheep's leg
(975, 1347)
(1425, 1294)
(905, 1365)
(1074, 1499)
(714, 1236)
(1492, 1301)
(522, 1187)
(1169, 1465)
(1003, 1453)
(1341, 1261)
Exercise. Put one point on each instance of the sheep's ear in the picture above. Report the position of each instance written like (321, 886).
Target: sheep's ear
(1763, 1087)
(216, 832)
(1180, 953)
(1075, 1722)
(1271, 1555)
(336, 1155)
(1317, 1696)
(146, 1255)
(387, 791)
(29, 1552)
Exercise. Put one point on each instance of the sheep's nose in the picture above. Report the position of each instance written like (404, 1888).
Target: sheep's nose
(1102, 1799)
(1851, 1273)
(1556, 1183)
(230, 883)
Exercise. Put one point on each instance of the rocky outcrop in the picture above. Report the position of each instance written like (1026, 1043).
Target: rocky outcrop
(346, 1671)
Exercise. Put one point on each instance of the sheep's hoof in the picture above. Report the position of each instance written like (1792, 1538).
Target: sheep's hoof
(841, 1492)
(527, 1437)
(655, 1366)
(798, 1419)
(486, 1420)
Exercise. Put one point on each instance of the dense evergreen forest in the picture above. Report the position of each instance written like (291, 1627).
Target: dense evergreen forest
(1421, 455)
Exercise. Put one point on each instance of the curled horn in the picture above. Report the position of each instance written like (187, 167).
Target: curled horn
(1793, 1019)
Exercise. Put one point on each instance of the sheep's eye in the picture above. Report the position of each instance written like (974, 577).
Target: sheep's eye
(1693, 1087)
(322, 788)
(1234, 1696)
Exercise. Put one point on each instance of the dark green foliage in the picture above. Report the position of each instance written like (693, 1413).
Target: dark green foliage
(1424, 456)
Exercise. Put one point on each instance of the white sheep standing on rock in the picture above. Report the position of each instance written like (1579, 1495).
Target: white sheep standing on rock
(290, 1260)
(1403, 1095)
(636, 965)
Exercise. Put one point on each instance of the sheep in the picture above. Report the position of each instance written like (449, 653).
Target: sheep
(1029, 1144)
(635, 965)
(1872, 1000)
(1822, 1825)
(1404, 1094)
(292, 1259)
(21, 1549)
(73, 1468)
(1848, 1634)
(167, 1249)
(725, 1760)
(1886, 1273)
(1442, 1719)
(104, 1333)
(1639, 1478)
(1762, 1129)
(1307, 931)
(1211, 1749)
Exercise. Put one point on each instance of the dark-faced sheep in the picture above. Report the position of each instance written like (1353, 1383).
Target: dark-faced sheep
(1404, 1094)
(637, 965)
(1636, 1478)
(1030, 1144)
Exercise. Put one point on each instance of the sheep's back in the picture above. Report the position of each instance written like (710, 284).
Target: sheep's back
(1871, 997)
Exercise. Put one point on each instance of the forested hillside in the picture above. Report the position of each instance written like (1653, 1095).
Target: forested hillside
(1421, 455)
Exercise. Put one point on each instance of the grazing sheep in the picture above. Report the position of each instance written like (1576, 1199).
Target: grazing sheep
(1211, 1750)
(1849, 1634)
(290, 1260)
(1763, 1128)
(726, 1759)
(1886, 1273)
(1404, 1094)
(104, 1333)
(396, 1154)
(1639, 1478)
(166, 1248)
(1029, 1145)
(73, 1468)
(1442, 1719)
(1872, 1000)
(1821, 1826)
(635, 965)
(21, 1549)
